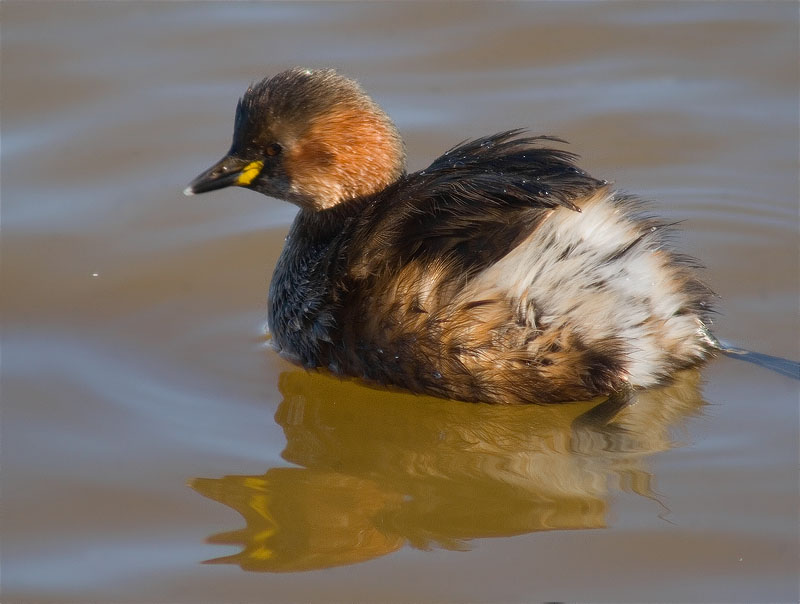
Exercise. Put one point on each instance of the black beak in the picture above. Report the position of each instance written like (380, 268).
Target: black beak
(226, 172)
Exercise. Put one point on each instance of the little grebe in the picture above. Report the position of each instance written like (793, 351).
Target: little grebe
(501, 273)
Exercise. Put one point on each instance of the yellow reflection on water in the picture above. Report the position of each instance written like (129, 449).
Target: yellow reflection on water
(378, 470)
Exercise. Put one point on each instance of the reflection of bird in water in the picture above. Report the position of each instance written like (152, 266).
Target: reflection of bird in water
(501, 273)
(380, 470)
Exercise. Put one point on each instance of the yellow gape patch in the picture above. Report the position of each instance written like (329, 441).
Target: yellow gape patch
(249, 173)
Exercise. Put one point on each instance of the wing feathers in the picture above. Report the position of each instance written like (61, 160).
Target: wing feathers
(472, 205)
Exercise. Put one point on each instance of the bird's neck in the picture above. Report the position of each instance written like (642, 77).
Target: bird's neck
(302, 292)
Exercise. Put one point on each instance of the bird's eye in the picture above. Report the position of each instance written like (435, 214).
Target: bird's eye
(274, 149)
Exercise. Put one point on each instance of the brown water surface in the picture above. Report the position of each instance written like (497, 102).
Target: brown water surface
(133, 351)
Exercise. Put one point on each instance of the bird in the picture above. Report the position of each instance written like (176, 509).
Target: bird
(501, 273)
